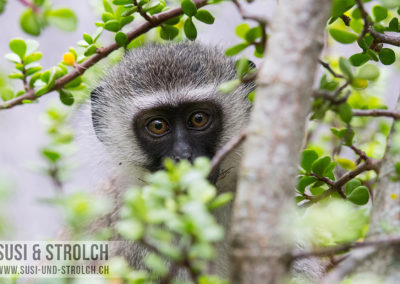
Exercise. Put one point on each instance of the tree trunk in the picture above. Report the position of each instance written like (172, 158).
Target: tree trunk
(269, 167)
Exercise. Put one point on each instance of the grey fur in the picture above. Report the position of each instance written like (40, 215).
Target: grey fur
(154, 75)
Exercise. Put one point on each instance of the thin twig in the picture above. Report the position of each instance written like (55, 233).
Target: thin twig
(345, 247)
(365, 16)
(142, 13)
(368, 28)
(260, 20)
(226, 149)
(377, 113)
(336, 186)
(329, 68)
(102, 53)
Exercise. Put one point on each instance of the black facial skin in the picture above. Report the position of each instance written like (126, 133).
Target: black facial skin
(181, 139)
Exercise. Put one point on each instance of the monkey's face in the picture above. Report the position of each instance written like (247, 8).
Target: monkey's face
(184, 131)
(162, 101)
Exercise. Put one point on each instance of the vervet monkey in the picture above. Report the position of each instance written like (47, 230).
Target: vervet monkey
(162, 101)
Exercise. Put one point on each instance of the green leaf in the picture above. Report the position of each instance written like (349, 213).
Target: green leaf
(358, 59)
(188, 8)
(351, 185)
(205, 17)
(341, 36)
(33, 79)
(43, 90)
(66, 97)
(126, 20)
(112, 26)
(242, 67)
(387, 56)
(339, 133)
(372, 55)
(236, 49)
(64, 19)
(345, 112)
(12, 57)
(90, 50)
(345, 67)
(241, 30)
(253, 34)
(156, 264)
(221, 200)
(2, 5)
(105, 17)
(251, 96)
(168, 32)
(319, 166)
(16, 76)
(348, 137)
(87, 38)
(32, 57)
(129, 11)
(341, 6)
(329, 171)
(74, 83)
(107, 7)
(30, 22)
(130, 229)
(380, 13)
(6, 94)
(390, 4)
(316, 190)
(190, 29)
(121, 39)
(359, 195)
(18, 46)
(173, 21)
(394, 25)
(368, 72)
(229, 86)
(122, 2)
(345, 163)
(33, 70)
(308, 157)
(51, 155)
(304, 182)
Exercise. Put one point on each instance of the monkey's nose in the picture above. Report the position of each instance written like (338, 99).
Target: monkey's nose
(186, 155)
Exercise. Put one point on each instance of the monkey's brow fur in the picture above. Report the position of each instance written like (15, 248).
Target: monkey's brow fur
(167, 74)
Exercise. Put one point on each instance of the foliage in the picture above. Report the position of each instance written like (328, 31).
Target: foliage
(172, 213)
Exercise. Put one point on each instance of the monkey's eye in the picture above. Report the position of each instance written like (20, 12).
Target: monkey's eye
(157, 126)
(198, 120)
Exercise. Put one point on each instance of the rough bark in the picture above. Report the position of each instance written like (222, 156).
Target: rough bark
(271, 152)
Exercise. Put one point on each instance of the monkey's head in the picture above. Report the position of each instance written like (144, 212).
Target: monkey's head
(162, 101)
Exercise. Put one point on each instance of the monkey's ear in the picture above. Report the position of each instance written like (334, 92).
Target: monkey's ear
(95, 102)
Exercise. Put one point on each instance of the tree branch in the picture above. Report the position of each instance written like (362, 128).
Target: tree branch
(102, 53)
(345, 247)
(368, 28)
(336, 186)
(226, 149)
(377, 112)
(269, 166)
(329, 68)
